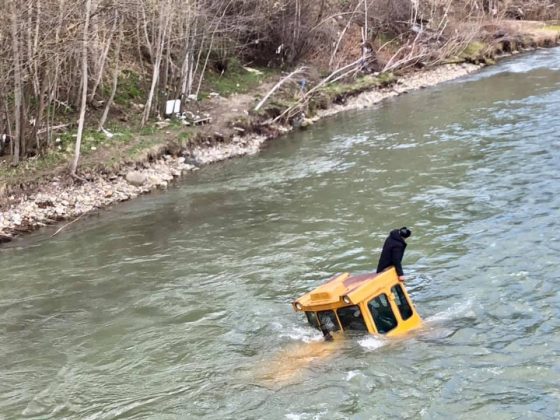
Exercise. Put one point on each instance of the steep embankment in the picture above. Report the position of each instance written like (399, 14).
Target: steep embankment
(170, 151)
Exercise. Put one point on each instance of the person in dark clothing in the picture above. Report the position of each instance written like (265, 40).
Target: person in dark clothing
(393, 251)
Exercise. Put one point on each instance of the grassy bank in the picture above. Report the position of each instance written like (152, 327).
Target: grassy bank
(124, 141)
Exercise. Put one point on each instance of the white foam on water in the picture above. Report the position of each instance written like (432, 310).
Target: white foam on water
(459, 310)
(522, 67)
(306, 335)
(277, 326)
(543, 59)
(523, 274)
(372, 343)
(295, 416)
(352, 374)
(437, 333)
(405, 146)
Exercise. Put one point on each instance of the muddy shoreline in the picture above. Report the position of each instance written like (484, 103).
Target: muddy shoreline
(57, 200)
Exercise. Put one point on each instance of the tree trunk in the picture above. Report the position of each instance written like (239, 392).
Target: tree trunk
(103, 59)
(84, 90)
(164, 21)
(115, 81)
(216, 27)
(36, 81)
(42, 105)
(365, 34)
(188, 61)
(17, 86)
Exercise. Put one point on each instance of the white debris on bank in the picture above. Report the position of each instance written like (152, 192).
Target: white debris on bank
(56, 201)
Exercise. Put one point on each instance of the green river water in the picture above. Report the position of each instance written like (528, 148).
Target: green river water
(171, 306)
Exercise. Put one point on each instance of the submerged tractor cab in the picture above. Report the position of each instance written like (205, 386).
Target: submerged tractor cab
(375, 302)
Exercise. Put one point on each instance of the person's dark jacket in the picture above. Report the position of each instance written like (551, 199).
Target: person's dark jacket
(392, 253)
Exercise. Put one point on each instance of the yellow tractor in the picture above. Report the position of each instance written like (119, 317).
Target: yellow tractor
(374, 302)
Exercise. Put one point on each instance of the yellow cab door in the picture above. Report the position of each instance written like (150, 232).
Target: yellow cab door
(391, 311)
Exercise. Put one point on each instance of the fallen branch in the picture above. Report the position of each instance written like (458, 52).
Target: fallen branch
(277, 85)
(335, 75)
(390, 65)
(67, 224)
(65, 105)
(201, 121)
(54, 128)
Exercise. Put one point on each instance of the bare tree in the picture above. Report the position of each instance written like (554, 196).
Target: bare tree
(83, 106)
(17, 85)
(163, 24)
(116, 73)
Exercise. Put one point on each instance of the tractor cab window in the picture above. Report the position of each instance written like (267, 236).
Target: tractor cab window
(402, 302)
(382, 314)
(312, 319)
(328, 321)
(351, 318)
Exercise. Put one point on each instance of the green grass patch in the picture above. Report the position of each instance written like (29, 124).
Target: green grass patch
(97, 149)
(326, 95)
(474, 51)
(236, 79)
(154, 139)
(148, 130)
(141, 145)
(386, 38)
(275, 106)
(93, 139)
(361, 84)
(552, 28)
(29, 169)
(185, 136)
(129, 88)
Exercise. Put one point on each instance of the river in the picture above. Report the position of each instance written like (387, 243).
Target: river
(170, 306)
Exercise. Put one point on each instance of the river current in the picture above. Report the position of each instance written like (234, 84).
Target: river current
(177, 304)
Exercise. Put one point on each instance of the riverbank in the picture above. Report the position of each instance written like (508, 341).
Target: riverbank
(57, 198)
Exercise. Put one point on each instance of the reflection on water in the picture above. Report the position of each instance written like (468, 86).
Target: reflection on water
(177, 305)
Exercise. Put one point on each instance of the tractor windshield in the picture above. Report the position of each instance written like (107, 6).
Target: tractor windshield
(351, 318)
